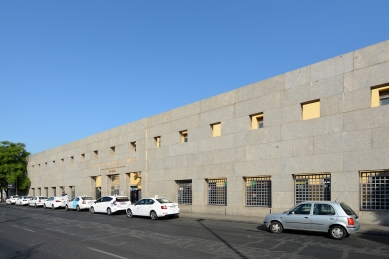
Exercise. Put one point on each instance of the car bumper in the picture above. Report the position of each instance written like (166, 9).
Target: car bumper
(353, 229)
(266, 224)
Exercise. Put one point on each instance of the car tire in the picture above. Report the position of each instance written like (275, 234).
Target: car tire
(109, 211)
(129, 214)
(276, 227)
(338, 232)
(153, 215)
(78, 208)
(44, 206)
(36, 206)
(66, 208)
(52, 206)
(92, 210)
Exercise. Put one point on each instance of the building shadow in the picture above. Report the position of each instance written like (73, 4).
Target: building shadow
(200, 221)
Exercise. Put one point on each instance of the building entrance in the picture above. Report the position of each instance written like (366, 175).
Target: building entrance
(134, 185)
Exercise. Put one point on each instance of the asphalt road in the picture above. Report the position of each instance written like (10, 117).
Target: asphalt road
(44, 233)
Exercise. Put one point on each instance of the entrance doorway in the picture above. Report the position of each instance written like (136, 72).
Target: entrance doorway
(96, 186)
(134, 185)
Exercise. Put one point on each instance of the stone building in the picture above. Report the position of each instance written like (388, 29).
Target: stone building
(320, 132)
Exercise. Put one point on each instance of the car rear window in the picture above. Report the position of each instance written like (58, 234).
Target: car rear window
(87, 198)
(164, 200)
(42, 197)
(120, 199)
(349, 211)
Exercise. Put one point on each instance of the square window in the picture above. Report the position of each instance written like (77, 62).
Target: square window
(384, 97)
(62, 161)
(379, 96)
(112, 151)
(133, 146)
(157, 141)
(311, 110)
(184, 136)
(72, 159)
(256, 121)
(96, 154)
(216, 129)
(82, 157)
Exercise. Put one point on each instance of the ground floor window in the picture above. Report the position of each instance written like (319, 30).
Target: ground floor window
(185, 192)
(72, 191)
(115, 184)
(375, 190)
(314, 187)
(258, 191)
(217, 192)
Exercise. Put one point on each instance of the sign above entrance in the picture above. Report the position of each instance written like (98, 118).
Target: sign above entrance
(116, 162)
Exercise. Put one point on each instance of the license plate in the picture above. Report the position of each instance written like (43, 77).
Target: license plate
(89, 202)
(123, 203)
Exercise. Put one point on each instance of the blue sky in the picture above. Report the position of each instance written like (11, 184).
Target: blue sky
(70, 69)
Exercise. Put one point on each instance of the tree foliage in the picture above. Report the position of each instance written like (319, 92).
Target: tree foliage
(13, 165)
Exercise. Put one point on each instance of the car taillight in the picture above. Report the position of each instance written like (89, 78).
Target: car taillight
(163, 207)
(114, 203)
(39, 201)
(83, 202)
(57, 201)
(350, 221)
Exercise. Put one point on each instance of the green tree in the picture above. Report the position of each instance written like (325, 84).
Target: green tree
(13, 166)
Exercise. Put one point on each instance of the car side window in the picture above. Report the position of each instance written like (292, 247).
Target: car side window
(323, 209)
(149, 202)
(141, 202)
(77, 199)
(106, 199)
(302, 209)
(72, 199)
(99, 200)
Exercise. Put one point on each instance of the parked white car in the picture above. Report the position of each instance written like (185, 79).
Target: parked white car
(110, 204)
(23, 200)
(154, 208)
(37, 201)
(55, 202)
(12, 199)
(79, 203)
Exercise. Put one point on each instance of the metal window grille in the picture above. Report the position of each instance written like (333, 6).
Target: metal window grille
(375, 190)
(315, 187)
(217, 192)
(185, 192)
(258, 191)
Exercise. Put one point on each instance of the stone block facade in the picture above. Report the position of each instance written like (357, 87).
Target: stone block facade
(343, 154)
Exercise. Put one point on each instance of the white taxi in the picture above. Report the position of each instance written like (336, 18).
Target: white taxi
(154, 208)
(110, 204)
(55, 202)
(23, 200)
(79, 203)
(37, 201)
(12, 199)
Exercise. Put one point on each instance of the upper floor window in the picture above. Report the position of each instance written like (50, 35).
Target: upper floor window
(157, 141)
(311, 110)
(96, 154)
(256, 121)
(133, 146)
(216, 129)
(112, 151)
(184, 136)
(380, 96)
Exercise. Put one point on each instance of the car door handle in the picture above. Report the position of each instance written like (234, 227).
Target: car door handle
(306, 217)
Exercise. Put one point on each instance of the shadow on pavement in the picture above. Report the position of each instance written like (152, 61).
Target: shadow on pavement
(221, 239)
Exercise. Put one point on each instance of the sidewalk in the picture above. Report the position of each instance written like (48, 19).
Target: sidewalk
(365, 228)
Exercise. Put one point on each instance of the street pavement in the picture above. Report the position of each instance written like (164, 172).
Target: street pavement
(44, 233)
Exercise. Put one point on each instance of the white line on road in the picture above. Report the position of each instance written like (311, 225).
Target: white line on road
(23, 228)
(106, 253)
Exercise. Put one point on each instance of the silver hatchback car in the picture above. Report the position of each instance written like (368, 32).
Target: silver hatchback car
(336, 218)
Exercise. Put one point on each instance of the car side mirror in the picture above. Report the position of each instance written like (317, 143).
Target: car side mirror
(292, 213)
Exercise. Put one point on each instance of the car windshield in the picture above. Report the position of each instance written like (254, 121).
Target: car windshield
(120, 199)
(349, 211)
(164, 200)
(87, 198)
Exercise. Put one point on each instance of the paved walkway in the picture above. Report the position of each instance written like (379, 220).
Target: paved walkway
(365, 228)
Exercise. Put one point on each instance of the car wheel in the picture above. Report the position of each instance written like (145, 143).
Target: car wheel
(52, 206)
(78, 208)
(338, 232)
(153, 215)
(275, 227)
(35, 205)
(92, 210)
(66, 208)
(109, 212)
(129, 213)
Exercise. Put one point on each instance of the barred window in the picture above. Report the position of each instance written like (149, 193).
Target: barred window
(315, 187)
(258, 191)
(375, 190)
(185, 192)
(217, 192)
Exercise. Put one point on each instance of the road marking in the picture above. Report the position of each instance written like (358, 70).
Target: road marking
(106, 253)
(23, 228)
